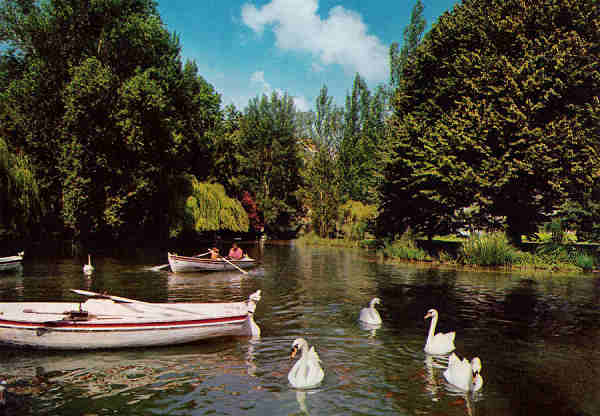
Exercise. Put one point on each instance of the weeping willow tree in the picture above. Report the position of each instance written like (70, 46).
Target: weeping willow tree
(20, 203)
(205, 207)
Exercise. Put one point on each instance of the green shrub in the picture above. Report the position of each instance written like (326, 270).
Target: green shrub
(489, 250)
(551, 253)
(585, 261)
(404, 248)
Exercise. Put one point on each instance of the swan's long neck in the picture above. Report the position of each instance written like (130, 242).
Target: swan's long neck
(476, 365)
(434, 320)
(89, 260)
(477, 383)
(303, 350)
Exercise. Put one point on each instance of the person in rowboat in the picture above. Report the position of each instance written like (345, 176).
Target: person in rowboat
(235, 252)
(214, 253)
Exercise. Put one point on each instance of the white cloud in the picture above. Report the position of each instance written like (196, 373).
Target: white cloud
(301, 103)
(342, 38)
(258, 78)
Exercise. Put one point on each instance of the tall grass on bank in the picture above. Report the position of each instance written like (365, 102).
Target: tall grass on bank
(489, 250)
(495, 250)
(313, 239)
(404, 248)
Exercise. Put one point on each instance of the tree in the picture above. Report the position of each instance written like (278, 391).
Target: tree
(226, 149)
(322, 191)
(497, 111)
(20, 204)
(413, 34)
(270, 160)
(98, 99)
(363, 134)
(357, 219)
(208, 208)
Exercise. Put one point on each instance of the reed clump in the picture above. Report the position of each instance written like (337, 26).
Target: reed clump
(404, 248)
(491, 249)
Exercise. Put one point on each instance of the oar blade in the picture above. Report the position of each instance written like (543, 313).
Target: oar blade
(158, 268)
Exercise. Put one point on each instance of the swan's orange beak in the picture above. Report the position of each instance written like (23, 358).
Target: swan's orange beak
(428, 315)
(294, 352)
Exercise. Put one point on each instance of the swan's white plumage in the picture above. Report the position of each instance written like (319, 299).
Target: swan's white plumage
(439, 343)
(370, 315)
(307, 371)
(88, 268)
(464, 374)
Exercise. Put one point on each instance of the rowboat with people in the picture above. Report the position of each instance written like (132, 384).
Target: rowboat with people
(11, 263)
(105, 321)
(181, 264)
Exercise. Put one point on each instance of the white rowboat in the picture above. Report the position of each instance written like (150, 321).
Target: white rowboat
(104, 321)
(181, 264)
(11, 262)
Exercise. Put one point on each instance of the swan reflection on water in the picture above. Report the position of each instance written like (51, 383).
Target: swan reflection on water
(433, 365)
(301, 399)
(469, 397)
(250, 356)
(372, 328)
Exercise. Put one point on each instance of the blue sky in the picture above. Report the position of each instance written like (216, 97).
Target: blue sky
(245, 48)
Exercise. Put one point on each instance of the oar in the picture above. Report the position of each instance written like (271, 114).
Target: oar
(164, 266)
(126, 300)
(95, 315)
(239, 268)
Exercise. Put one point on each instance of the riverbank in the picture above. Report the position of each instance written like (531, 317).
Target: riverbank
(486, 251)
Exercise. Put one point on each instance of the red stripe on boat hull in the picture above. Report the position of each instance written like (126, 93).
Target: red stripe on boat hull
(117, 325)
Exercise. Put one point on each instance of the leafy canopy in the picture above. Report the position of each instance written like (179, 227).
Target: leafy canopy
(497, 112)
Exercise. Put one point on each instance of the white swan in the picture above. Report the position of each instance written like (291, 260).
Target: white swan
(88, 268)
(438, 343)
(464, 374)
(370, 315)
(307, 371)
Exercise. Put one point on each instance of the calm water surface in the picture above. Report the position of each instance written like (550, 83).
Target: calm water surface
(538, 338)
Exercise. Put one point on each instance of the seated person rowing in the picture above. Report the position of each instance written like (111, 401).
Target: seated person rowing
(235, 253)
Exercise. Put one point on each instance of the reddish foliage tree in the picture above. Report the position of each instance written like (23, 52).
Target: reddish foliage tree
(256, 222)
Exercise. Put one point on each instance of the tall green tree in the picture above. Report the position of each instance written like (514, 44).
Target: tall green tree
(413, 34)
(322, 190)
(270, 160)
(363, 134)
(226, 150)
(497, 112)
(98, 98)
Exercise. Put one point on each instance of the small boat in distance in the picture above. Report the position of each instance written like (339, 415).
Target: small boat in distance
(105, 321)
(181, 264)
(11, 262)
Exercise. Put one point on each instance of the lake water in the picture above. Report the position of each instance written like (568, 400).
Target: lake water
(538, 338)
